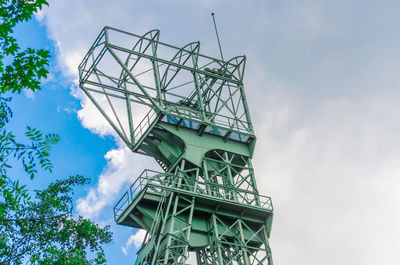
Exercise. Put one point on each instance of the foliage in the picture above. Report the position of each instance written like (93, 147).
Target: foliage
(5, 111)
(36, 227)
(43, 228)
(38, 150)
(28, 66)
(25, 68)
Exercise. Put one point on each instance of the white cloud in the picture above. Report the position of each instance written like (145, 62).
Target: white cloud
(122, 166)
(333, 180)
(135, 240)
(192, 260)
(322, 84)
(92, 119)
(29, 93)
(120, 162)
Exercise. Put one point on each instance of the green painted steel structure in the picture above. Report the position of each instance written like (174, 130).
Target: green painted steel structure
(190, 113)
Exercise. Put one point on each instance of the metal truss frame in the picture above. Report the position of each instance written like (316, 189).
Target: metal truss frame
(179, 82)
(221, 178)
(189, 112)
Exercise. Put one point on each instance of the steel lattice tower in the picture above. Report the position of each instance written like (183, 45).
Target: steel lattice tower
(190, 113)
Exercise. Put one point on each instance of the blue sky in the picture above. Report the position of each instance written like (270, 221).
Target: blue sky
(322, 81)
(53, 109)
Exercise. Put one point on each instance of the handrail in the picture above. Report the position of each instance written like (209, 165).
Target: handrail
(155, 182)
(134, 189)
(144, 124)
(222, 120)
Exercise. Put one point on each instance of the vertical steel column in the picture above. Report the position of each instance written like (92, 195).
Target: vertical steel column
(216, 239)
(207, 200)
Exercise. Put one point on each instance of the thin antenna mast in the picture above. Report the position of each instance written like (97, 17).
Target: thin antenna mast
(216, 32)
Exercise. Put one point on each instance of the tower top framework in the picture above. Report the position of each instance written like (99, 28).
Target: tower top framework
(153, 78)
(189, 112)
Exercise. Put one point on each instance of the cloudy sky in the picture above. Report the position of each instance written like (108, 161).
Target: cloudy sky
(322, 82)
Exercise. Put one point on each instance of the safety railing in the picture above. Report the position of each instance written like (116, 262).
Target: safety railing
(236, 124)
(195, 125)
(145, 124)
(121, 205)
(134, 189)
(156, 182)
